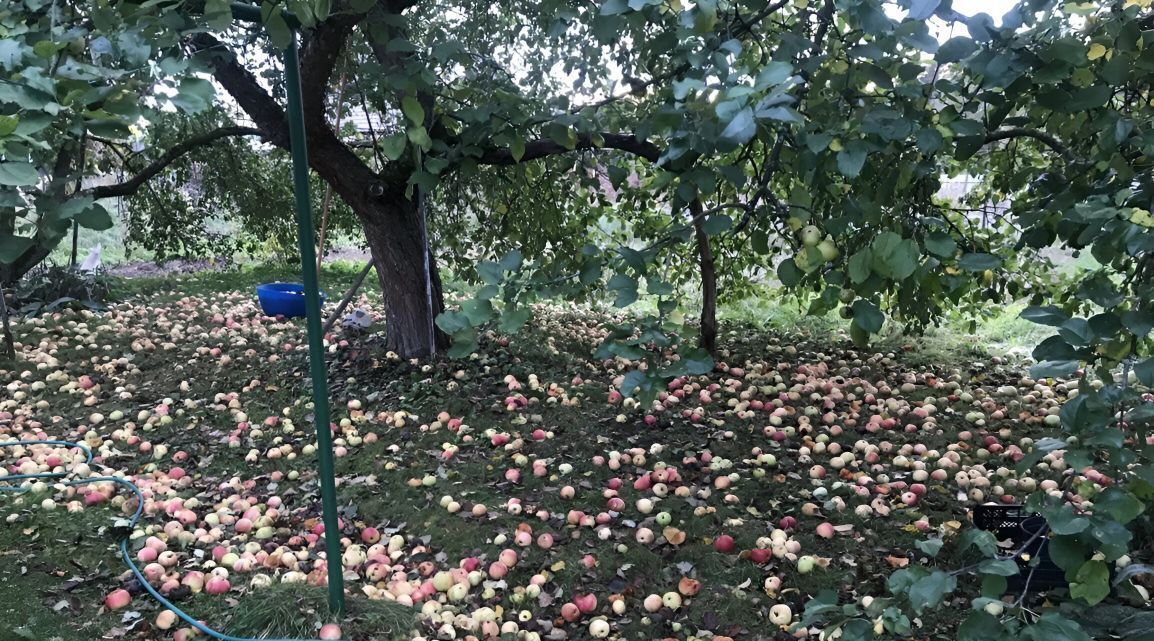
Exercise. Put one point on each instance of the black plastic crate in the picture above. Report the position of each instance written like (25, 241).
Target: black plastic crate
(1015, 523)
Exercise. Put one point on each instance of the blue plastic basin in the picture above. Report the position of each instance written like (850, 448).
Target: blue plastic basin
(283, 299)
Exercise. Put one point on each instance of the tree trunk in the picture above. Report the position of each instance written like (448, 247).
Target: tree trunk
(411, 286)
(708, 280)
(393, 223)
(394, 231)
(9, 343)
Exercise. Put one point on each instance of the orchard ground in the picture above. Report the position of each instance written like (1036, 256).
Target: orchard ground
(511, 492)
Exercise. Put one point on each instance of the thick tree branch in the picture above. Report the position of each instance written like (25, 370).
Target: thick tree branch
(244, 88)
(130, 186)
(331, 158)
(547, 147)
(319, 56)
(1041, 136)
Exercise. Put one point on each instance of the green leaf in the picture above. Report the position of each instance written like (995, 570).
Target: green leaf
(626, 288)
(716, 224)
(1067, 552)
(1054, 348)
(463, 345)
(979, 262)
(930, 547)
(984, 542)
(45, 49)
(741, 129)
(625, 298)
(955, 49)
(94, 217)
(218, 14)
(859, 266)
(851, 158)
(18, 174)
(923, 9)
(108, 128)
(477, 311)
(11, 53)
(868, 316)
(393, 146)
(759, 241)
(614, 7)
(193, 95)
(788, 273)
(993, 586)
(32, 123)
(773, 73)
(1121, 505)
(8, 125)
(980, 626)
(274, 23)
(929, 591)
(1144, 370)
(27, 98)
(1091, 583)
(1116, 70)
(419, 136)
(322, 9)
(941, 244)
(452, 322)
(490, 272)
(1140, 323)
(1063, 520)
(562, 135)
(413, 110)
(697, 361)
(632, 380)
(1052, 626)
(929, 140)
(512, 260)
(894, 257)
(590, 272)
(857, 630)
(1077, 332)
(1088, 98)
(517, 148)
(1000, 567)
(1045, 315)
(12, 247)
(513, 320)
(1113, 536)
(901, 581)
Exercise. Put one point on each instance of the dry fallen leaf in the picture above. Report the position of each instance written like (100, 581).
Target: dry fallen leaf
(897, 561)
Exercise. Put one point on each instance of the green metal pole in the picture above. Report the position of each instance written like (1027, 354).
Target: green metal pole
(300, 154)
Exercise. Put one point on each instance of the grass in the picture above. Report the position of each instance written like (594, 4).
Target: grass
(377, 478)
(49, 567)
(297, 611)
(335, 279)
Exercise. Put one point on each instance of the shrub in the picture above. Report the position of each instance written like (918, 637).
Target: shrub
(49, 288)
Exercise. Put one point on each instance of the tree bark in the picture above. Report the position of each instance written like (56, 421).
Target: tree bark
(411, 286)
(9, 343)
(708, 272)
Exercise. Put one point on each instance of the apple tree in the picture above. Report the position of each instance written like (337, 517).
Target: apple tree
(77, 78)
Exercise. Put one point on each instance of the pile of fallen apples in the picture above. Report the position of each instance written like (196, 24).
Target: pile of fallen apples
(863, 439)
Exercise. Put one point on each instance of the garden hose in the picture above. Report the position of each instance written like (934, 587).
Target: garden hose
(59, 476)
